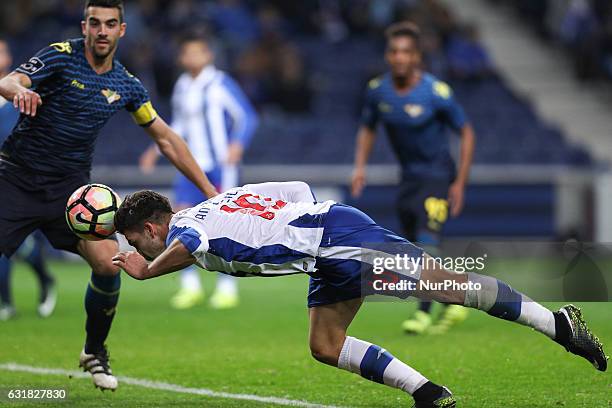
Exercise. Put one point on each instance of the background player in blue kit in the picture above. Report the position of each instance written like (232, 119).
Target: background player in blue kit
(415, 108)
(32, 250)
(76, 86)
(217, 121)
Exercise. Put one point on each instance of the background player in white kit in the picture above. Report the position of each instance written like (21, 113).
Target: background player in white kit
(203, 98)
(274, 229)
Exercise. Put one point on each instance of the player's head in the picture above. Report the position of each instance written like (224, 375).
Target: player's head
(403, 53)
(102, 26)
(6, 60)
(143, 218)
(194, 53)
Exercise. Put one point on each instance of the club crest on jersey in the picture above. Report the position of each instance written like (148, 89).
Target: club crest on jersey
(111, 96)
(413, 110)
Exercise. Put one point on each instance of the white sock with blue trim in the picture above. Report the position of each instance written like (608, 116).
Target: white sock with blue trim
(376, 364)
(500, 300)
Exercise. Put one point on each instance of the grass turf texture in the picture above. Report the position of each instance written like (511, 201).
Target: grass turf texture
(262, 348)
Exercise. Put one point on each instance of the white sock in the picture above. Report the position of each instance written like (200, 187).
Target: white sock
(537, 316)
(227, 284)
(376, 364)
(190, 279)
(500, 300)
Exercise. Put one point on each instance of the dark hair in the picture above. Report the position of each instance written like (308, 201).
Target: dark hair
(404, 29)
(118, 4)
(193, 35)
(141, 207)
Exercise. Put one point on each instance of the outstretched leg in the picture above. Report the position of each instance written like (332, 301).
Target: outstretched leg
(101, 300)
(498, 299)
(329, 344)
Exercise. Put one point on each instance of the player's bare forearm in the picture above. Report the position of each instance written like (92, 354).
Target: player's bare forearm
(15, 88)
(365, 141)
(175, 149)
(12, 84)
(148, 159)
(468, 142)
(174, 258)
(456, 190)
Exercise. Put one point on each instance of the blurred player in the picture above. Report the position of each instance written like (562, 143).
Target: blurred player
(203, 100)
(76, 86)
(415, 108)
(32, 250)
(275, 229)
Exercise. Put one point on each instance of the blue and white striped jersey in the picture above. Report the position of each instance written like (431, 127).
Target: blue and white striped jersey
(209, 112)
(257, 229)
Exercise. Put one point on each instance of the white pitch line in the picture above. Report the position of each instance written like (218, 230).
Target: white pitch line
(157, 385)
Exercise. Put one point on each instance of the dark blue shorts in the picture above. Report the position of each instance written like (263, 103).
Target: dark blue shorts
(32, 201)
(422, 206)
(186, 193)
(348, 234)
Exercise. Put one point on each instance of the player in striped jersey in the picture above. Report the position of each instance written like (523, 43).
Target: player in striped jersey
(217, 121)
(274, 229)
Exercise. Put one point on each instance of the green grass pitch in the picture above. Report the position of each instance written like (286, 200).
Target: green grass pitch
(261, 348)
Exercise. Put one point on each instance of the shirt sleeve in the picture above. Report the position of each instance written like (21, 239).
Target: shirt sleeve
(290, 191)
(369, 111)
(191, 236)
(243, 115)
(446, 104)
(46, 62)
(140, 106)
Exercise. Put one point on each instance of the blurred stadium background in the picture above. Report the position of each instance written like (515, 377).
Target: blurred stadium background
(535, 79)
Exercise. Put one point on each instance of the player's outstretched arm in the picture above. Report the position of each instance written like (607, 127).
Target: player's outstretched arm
(175, 149)
(15, 87)
(174, 258)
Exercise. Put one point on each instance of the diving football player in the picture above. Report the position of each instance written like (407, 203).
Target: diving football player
(275, 229)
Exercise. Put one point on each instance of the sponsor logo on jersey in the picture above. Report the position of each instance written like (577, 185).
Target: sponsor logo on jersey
(413, 110)
(111, 96)
(77, 84)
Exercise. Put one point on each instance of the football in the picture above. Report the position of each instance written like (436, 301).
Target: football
(90, 211)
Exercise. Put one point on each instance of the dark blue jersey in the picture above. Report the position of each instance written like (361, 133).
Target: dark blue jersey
(77, 102)
(416, 124)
